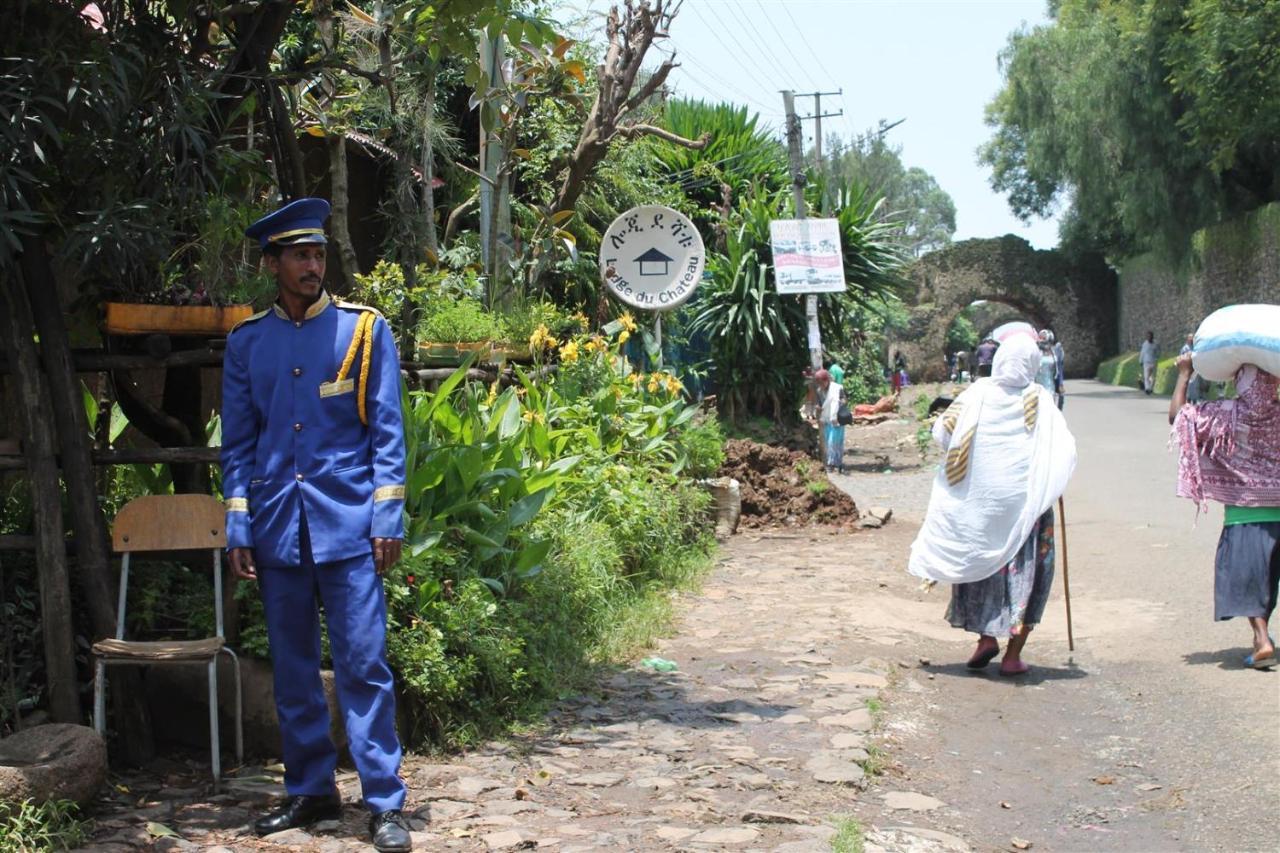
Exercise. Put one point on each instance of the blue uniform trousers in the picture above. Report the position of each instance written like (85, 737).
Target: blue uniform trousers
(356, 615)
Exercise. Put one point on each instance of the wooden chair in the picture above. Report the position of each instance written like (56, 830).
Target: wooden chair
(170, 523)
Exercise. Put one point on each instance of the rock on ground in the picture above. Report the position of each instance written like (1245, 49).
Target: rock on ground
(56, 761)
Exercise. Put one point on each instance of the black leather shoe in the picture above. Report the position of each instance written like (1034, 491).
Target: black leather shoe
(390, 832)
(298, 811)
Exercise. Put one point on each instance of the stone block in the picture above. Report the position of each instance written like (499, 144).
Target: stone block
(57, 761)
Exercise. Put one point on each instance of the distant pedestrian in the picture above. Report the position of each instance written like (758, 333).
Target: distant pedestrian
(899, 371)
(989, 529)
(1229, 451)
(1147, 358)
(831, 395)
(1047, 375)
(1059, 389)
(1195, 385)
(985, 355)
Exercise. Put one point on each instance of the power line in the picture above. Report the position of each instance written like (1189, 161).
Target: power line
(778, 32)
(720, 81)
(765, 50)
(816, 57)
(764, 87)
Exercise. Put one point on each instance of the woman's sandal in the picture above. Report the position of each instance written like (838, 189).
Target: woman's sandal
(1267, 662)
(1262, 663)
(980, 660)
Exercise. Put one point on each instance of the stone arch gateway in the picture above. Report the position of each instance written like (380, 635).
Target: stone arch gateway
(1076, 296)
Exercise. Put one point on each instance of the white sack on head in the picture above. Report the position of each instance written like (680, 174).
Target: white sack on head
(1009, 457)
(1234, 336)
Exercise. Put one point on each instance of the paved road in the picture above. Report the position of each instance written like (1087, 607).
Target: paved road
(1151, 736)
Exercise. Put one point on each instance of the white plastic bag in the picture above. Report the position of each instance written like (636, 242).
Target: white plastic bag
(1237, 335)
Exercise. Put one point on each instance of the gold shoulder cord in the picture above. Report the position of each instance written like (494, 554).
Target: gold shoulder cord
(363, 335)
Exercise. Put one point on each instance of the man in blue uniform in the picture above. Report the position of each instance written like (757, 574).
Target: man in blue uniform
(313, 477)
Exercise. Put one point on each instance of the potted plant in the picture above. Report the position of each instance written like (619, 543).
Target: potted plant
(451, 330)
(206, 286)
(519, 324)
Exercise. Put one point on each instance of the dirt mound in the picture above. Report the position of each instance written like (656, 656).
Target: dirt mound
(784, 488)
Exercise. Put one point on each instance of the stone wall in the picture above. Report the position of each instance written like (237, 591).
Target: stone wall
(1237, 261)
(1076, 297)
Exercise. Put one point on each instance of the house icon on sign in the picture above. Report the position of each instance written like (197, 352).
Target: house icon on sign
(654, 262)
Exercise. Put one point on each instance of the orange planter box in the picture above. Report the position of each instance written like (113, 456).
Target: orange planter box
(128, 318)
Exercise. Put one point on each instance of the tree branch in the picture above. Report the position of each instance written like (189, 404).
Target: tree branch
(451, 224)
(631, 131)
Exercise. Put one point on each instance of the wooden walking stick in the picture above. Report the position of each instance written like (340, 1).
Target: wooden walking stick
(1066, 579)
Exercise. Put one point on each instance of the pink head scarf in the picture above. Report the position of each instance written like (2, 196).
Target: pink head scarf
(1229, 450)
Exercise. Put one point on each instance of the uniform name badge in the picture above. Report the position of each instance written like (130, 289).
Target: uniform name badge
(341, 386)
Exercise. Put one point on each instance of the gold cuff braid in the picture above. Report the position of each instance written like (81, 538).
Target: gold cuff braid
(388, 493)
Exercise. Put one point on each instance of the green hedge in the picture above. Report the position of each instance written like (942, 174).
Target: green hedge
(1124, 370)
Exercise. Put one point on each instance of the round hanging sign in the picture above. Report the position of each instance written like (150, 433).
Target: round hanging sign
(652, 257)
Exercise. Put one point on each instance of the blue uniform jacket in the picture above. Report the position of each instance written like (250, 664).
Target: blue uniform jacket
(293, 442)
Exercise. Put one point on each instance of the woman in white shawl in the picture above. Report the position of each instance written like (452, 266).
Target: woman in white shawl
(989, 528)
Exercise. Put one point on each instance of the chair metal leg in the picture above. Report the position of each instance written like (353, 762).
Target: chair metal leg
(100, 696)
(216, 747)
(235, 663)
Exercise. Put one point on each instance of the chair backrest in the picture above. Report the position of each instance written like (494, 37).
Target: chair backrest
(170, 523)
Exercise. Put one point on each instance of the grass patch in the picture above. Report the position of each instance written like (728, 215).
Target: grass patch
(818, 487)
(877, 762)
(849, 836)
(1125, 370)
(650, 614)
(54, 825)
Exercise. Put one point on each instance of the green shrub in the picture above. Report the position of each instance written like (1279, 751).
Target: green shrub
(547, 523)
(1125, 370)
(1121, 370)
(703, 443)
(460, 321)
(518, 324)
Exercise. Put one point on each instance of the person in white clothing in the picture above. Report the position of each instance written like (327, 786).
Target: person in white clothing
(831, 395)
(1147, 358)
(989, 527)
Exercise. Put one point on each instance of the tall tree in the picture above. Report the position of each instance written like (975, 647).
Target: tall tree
(1145, 119)
(923, 212)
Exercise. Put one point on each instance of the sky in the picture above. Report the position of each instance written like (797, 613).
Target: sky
(930, 62)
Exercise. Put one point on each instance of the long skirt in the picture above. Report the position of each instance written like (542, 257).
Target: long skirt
(1002, 604)
(834, 435)
(1247, 570)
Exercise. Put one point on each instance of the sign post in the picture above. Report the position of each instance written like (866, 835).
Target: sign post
(651, 258)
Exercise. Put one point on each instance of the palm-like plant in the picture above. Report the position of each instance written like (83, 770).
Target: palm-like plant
(758, 338)
(739, 154)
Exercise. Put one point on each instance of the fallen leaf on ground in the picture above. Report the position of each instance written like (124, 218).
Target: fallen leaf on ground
(1150, 786)
(159, 830)
(1004, 804)
(1020, 843)
(1105, 780)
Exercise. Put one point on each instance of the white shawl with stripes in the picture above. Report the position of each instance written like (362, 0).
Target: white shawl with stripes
(1009, 455)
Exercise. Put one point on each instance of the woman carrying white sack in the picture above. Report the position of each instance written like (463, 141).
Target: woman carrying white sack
(989, 528)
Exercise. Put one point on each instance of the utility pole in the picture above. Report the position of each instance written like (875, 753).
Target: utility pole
(818, 116)
(795, 153)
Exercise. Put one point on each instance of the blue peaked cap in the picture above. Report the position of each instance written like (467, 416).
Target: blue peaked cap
(300, 221)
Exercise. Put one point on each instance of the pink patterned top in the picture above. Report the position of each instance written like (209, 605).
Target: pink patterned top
(1229, 450)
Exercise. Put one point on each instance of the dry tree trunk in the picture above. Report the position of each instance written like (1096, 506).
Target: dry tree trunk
(93, 556)
(335, 144)
(630, 36)
(46, 505)
(339, 197)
